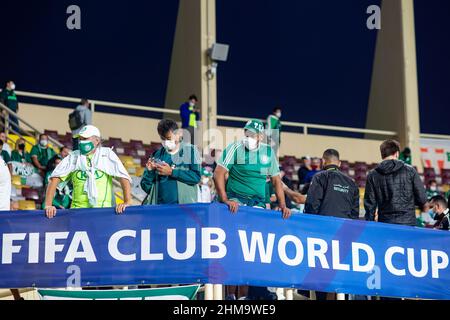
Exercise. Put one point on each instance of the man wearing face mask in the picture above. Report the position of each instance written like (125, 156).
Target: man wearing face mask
(441, 212)
(41, 153)
(248, 162)
(432, 189)
(190, 113)
(273, 129)
(173, 173)
(8, 98)
(90, 170)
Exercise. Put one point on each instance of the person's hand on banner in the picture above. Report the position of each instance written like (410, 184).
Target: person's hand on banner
(232, 205)
(285, 211)
(121, 207)
(50, 211)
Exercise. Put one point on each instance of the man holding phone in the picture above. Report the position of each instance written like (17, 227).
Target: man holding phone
(174, 171)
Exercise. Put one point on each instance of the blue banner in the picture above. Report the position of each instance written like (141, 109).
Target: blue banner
(205, 243)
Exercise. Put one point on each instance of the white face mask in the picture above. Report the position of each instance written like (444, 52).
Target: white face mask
(205, 180)
(433, 188)
(251, 143)
(43, 143)
(13, 87)
(169, 144)
(278, 114)
(191, 104)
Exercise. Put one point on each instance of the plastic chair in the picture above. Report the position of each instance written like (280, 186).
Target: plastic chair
(27, 205)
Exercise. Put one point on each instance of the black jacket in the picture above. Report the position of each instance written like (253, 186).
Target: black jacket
(395, 189)
(332, 193)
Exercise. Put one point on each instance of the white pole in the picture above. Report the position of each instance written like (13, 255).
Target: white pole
(209, 293)
(289, 294)
(340, 296)
(218, 294)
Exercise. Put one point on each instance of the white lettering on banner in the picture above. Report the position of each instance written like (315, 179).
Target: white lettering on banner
(256, 241)
(208, 243)
(388, 261)
(51, 248)
(256, 247)
(314, 253)
(172, 244)
(436, 265)
(146, 254)
(356, 248)
(33, 251)
(87, 253)
(299, 251)
(337, 265)
(423, 261)
(8, 246)
(114, 242)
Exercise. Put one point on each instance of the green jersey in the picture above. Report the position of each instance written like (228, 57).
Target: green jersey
(43, 154)
(20, 157)
(5, 156)
(104, 188)
(248, 170)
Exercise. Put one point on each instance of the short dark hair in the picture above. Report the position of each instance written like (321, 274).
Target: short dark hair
(331, 154)
(439, 200)
(389, 148)
(432, 181)
(276, 109)
(84, 101)
(193, 97)
(165, 126)
(42, 134)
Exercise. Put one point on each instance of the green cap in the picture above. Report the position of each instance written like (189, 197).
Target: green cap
(254, 125)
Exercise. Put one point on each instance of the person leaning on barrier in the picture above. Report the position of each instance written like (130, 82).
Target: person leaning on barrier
(394, 188)
(332, 193)
(248, 162)
(91, 170)
(173, 173)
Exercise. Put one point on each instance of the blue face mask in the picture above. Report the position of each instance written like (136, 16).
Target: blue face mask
(431, 213)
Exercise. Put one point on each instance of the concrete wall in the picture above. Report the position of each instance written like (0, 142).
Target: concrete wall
(128, 127)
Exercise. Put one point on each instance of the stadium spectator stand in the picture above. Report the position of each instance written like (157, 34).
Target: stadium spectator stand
(135, 153)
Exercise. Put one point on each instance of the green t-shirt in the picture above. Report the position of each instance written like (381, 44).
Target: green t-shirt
(43, 154)
(248, 170)
(5, 156)
(104, 188)
(16, 156)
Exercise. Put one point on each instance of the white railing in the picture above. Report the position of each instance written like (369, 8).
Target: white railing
(434, 136)
(304, 126)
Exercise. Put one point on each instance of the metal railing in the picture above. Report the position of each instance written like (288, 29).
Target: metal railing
(307, 126)
(304, 126)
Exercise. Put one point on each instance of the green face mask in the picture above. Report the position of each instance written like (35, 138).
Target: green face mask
(86, 147)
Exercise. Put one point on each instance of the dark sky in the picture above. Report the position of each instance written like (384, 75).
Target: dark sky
(312, 57)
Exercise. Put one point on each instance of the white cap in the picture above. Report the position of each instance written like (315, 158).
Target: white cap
(88, 131)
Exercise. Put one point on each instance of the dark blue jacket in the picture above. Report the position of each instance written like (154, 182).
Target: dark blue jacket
(184, 114)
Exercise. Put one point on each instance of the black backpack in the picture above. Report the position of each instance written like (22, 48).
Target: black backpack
(75, 121)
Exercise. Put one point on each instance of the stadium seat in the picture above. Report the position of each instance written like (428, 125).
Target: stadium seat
(31, 194)
(17, 181)
(27, 205)
(127, 160)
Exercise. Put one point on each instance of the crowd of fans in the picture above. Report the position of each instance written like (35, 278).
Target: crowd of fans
(247, 173)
